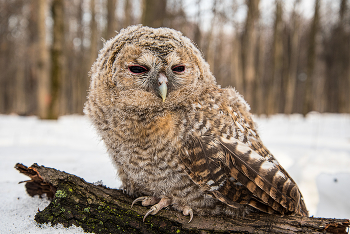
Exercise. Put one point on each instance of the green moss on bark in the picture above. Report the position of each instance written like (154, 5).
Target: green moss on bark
(98, 216)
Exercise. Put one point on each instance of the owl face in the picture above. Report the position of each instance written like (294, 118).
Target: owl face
(146, 68)
(154, 74)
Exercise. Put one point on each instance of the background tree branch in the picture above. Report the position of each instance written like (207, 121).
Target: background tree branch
(99, 209)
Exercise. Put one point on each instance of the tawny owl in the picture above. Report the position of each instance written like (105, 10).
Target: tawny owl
(176, 137)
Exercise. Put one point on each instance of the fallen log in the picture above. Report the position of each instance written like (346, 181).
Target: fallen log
(99, 209)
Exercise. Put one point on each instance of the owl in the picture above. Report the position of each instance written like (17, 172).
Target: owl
(176, 137)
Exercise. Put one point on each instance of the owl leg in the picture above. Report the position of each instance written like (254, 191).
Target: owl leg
(164, 202)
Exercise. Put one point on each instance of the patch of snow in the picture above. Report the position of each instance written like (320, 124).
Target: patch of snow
(314, 150)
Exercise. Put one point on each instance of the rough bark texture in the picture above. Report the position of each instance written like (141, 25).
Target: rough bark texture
(98, 209)
(111, 19)
(314, 31)
(43, 92)
(154, 13)
(249, 40)
(57, 58)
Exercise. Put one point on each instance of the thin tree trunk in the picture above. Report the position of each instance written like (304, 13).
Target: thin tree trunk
(311, 59)
(260, 100)
(82, 71)
(274, 95)
(236, 64)
(56, 58)
(93, 35)
(43, 87)
(154, 13)
(197, 34)
(293, 61)
(343, 85)
(209, 52)
(111, 19)
(127, 13)
(249, 49)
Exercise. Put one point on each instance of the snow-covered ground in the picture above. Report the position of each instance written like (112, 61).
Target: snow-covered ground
(314, 150)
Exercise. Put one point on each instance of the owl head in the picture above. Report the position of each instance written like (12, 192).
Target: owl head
(143, 67)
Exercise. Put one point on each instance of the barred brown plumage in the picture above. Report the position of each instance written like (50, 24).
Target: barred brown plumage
(175, 136)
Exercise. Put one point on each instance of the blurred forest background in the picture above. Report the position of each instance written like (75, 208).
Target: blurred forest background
(288, 63)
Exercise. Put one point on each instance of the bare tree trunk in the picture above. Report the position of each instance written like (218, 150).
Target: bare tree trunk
(293, 60)
(209, 52)
(274, 95)
(56, 58)
(93, 35)
(348, 77)
(311, 58)
(82, 71)
(219, 55)
(344, 84)
(153, 13)
(43, 86)
(197, 33)
(260, 106)
(127, 13)
(249, 49)
(236, 64)
(111, 19)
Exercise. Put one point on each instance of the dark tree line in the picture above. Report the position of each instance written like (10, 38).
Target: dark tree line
(292, 64)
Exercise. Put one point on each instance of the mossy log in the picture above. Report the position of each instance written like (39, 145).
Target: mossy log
(99, 209)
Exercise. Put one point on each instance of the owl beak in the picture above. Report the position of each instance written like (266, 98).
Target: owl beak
(163, 86)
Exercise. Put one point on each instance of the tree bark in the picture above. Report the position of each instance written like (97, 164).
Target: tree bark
(43, 92)
(56, 58)
(274, 84)
(154, 13)
(127, 13)
(311, 59)
(99, 209)
(293, 59)
(93, 35)
(111, 19)
(248, 51)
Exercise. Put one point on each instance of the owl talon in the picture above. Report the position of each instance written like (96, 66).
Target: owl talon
(146, 201)
(188, 211)
(164, 202)
(138, 199)
(150, 211)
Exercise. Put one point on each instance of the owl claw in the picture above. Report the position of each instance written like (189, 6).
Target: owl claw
(150, 211)
(164, 202)
(188, 211)
(137, 199)
(146, 201)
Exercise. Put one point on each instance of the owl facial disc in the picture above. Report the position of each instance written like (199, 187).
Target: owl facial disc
(163, 85)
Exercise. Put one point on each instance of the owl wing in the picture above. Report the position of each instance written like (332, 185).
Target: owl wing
(236, 174)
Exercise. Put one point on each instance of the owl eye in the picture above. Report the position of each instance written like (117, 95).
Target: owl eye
(137, 69)
(178, 69)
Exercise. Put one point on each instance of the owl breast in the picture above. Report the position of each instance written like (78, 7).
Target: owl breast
(147, 156)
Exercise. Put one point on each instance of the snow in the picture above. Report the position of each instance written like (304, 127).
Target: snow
(314, 150)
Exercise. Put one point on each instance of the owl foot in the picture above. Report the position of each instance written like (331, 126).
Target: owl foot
(159, 204)
(164, 202)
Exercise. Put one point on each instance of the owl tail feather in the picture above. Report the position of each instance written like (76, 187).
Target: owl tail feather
(263, 178)
(205, 163)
